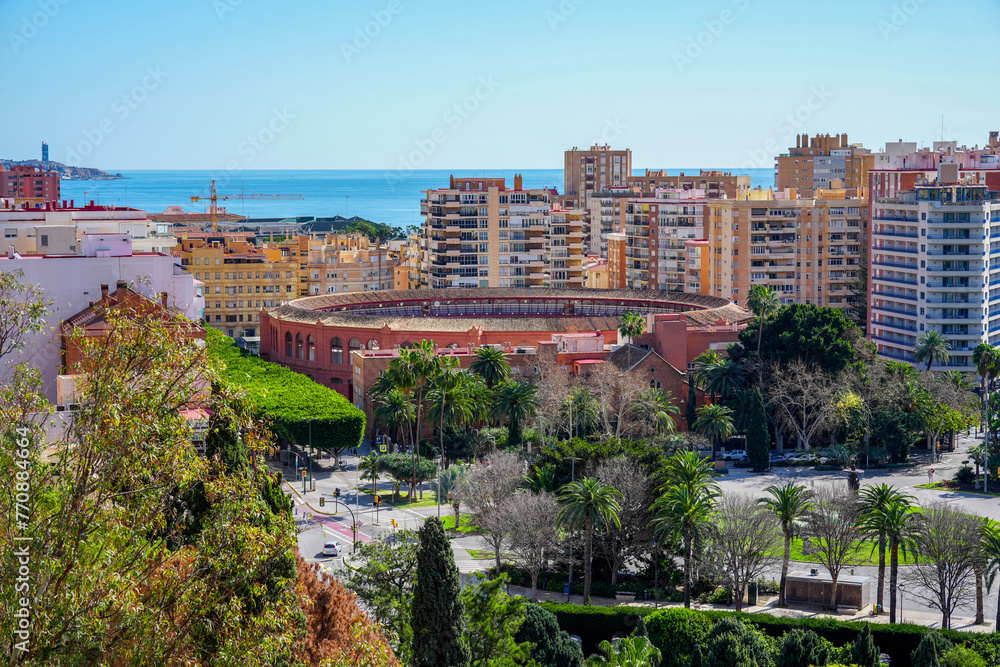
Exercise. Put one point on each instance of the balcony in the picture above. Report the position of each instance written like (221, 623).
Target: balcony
(897, 281)
(895, 265)
(897, 235)
(885, 249)
(898, 327)
(876, 217)
(892, 341)
(888, 309)
(890, 295)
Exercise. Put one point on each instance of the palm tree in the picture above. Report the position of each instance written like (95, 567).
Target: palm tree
(681, 515)
(875, 501)
(368, 467)
(449, 400)
(932, 347)
(515, 402)
(491, 365)
(689, 470)
(715, 422)
(589, 505)
(915, 403)
(763, 302)
(696, 380)
(899, 370)
(629, 326)
(896, 522)
(394, 413)
(634, 651)
(653, 409)
(789, 502)
(990, 546)
(726, 378)
(987, 360)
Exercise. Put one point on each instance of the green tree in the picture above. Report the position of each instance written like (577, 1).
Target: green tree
(990, 545)
(763, 302)
(631, 325)
(682, 515)
(864, 653)
(933, 347)
(896, 521)
(858, 301)
(543, 478)
(758, 435)
(494, 619)
(588, 505)
(677, 632)
(653, 410)
(552, 647)
(732, 643)
(393, 413)
(515, 403)
(382, 575)
(715, 422)
(491, 365)
(224, 441)
(790, 503)
(876, 501)
(696, 379)
(726, 378)
(802, 647)
(450, 399)
(931, 650)
(437, 618)
(815, 335)
(369, 468)
(960, 656)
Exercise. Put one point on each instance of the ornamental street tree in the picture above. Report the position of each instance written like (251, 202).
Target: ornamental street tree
(747, 536)
(758, 435)
(532, 520)
(813, 335)
(789, 503)
(832, 524)
(437, 619)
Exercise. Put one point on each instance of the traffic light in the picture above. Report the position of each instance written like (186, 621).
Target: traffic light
(336, 493)
(394, 524)
(354, 529)
(378, 500)
(322, 501)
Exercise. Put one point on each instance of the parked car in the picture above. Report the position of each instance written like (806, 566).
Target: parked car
(331, 549)
(736, 455)
(777, 456)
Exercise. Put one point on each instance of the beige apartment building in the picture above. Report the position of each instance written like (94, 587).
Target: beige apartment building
(807, 249)
(586, 172)
(479, 233)
(339, 263)
(823, 162)
(715, 184)
(240, 279)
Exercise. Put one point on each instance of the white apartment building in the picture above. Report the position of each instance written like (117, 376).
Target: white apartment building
(59, 230)
(935, 264)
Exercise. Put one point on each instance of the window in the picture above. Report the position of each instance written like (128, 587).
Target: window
(336, 351)
(356, 344)
(299, 351)
(311, 348)
(45, 239)
(288, 344)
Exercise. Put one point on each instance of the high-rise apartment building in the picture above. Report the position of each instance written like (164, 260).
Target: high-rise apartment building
(31, 183)
(901, 165)
(339, 263)
(807, 250)
(586, 172)
(45, 152)
(931, 267)
(240, 279)
(822, 162)
(606, 216)
(715, 184)
(656, 230)
(481, 234)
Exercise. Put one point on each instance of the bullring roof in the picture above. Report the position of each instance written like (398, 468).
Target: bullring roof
(361, 309)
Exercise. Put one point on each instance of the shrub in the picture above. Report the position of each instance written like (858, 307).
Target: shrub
(802, 647)
(965, 475)
(676, 632)
(864, 653)
(960, 656)
(553, 647)
(594, 624)
(732, 643)
(291, 403)
(931, 650)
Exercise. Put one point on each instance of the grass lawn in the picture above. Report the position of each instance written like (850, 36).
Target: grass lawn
(481, 555)
(403, 501)
(863, 554)
(954, 486)
(468, 526)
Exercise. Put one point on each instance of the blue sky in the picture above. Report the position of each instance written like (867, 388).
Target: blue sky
(459, 85)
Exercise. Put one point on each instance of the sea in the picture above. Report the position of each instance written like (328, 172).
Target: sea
(390, 197)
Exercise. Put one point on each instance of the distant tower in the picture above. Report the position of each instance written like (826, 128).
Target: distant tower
(45, 152)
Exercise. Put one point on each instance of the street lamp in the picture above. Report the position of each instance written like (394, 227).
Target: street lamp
(902, 589)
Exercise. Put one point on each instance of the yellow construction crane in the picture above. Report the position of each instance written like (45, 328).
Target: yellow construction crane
(214, 202)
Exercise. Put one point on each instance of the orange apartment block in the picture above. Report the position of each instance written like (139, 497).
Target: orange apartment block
(716, 184)
(820, 163)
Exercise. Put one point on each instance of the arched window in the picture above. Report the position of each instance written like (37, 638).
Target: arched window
(311, 348)
(658, 384)
(336, 351)
(337, 380)
(373, 344)
(298, 346)
(288, 344)
(652, 384)
(356, 344)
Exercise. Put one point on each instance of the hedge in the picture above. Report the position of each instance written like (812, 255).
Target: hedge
(898, 641)
(289, 400)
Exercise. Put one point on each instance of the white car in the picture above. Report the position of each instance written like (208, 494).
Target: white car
(736, 455)
(331, 549)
